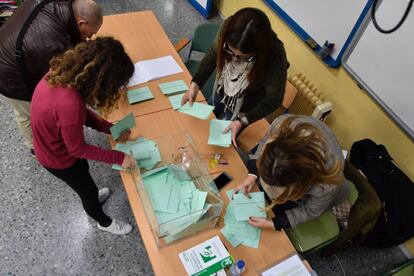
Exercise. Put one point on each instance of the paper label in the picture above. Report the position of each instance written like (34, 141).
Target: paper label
(206, 258)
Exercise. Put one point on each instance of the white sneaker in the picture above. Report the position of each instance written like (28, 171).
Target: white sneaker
(117, 227)
(103, 194)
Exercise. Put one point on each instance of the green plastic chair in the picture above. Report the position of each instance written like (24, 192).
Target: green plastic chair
(318, 233)
(203, 38)
(402, 269)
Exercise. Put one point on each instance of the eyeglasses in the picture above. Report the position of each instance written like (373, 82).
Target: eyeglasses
(227, 49)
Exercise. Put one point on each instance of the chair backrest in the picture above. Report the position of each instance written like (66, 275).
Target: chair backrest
(288, 98)
(405, 268)
(353, 193)
(204, 36)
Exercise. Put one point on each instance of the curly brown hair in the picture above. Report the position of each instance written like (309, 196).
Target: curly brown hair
(296, 159)
(97, 69)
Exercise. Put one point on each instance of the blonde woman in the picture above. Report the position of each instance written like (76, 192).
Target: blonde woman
(299, 165)
(90, 74)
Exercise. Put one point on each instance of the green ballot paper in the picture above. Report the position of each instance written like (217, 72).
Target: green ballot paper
(217, 137)
(146, 152)
(239, 232)
(126, 123)
(173, 87)
(139, 95)
(249, 207)
(175, 199)
(176, 101)
(198, 110)
(125, 149)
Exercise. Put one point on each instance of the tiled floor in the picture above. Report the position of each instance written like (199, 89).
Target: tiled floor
(44, 230)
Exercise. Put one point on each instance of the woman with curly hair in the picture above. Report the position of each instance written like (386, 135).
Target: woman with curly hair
(90, 74)
(299, 164)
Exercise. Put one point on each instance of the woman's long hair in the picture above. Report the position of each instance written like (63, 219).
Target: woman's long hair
(248, 30)
(97, 69)
(296, 159)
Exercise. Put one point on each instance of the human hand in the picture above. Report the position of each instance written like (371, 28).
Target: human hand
(246, 185)
(191, 94)
(128, 162)
(261, 222)
(124, 135)
(235, 128)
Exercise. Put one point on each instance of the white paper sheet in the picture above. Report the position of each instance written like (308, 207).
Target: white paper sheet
(152, 69)
(292, 266)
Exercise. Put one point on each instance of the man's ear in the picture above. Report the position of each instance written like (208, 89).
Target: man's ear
(81, 22)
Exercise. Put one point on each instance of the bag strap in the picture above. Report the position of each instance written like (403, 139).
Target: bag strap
(19, 45)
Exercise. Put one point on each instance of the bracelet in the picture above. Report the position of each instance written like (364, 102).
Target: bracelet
(243, 120)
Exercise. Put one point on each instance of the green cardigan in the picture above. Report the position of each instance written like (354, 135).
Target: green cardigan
(262, 99)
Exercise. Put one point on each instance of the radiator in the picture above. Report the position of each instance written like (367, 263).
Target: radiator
(309, 100)
(301, 97)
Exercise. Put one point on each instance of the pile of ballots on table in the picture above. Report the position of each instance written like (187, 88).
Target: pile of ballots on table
(175, 91)
(145, 152)
(237, 230)
(139, 95)
(175, 199)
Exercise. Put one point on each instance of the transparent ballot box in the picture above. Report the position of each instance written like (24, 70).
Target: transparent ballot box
(177, 192)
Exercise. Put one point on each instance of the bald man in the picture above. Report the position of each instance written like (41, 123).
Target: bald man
(35, 33)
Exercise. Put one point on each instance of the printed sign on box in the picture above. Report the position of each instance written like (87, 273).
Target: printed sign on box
(206, 258)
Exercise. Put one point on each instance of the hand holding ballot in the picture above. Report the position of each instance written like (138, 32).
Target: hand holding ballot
(126, 123)
(124, 136)
(191, 94)
(245, 186)
(217, 136)
(235, 128)
(261, 222)
(128, 162)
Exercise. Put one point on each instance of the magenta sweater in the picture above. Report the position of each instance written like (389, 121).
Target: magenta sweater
(58, 115)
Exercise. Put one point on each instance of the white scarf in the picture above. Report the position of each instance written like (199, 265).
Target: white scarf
(233, 80)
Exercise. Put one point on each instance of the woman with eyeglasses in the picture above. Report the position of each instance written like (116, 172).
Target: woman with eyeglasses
(251, 70)
(299, 164)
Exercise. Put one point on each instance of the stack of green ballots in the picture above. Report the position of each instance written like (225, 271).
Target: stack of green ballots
(239, 232)
(173, 87)
(245, 207)
(139, 95)
(177, 89)
(198, 110)
(145, 152)
(216, 136)
(176, 201)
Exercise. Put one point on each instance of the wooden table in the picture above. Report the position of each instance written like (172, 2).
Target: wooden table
(153, 119)
(273, 246)
(143, 38)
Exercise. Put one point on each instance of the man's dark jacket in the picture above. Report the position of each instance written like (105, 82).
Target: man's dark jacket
(52, 31)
